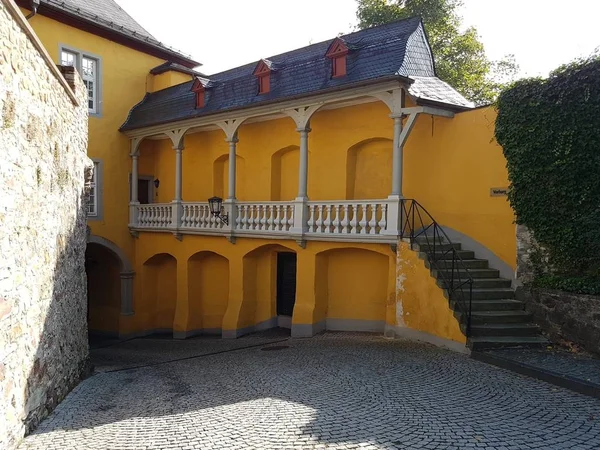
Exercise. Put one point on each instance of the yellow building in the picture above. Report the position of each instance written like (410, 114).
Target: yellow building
(318, 153)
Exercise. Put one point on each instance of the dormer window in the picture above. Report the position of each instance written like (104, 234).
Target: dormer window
(199, 88)
(337, 53)
(263, 75)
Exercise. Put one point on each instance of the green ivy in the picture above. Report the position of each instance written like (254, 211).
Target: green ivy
(581, 285)
(550, 132)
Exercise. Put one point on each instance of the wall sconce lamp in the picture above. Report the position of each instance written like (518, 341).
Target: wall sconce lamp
(216, 209)
(156, 183)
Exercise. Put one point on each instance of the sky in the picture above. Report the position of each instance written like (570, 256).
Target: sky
(221, 34)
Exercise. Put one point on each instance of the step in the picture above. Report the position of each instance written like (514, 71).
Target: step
(505, 329)
(493, 305)
(489, 342)
(479, 283)
(463, 274)
(441, 255)
(483, 317)
(438, 246)
(458, 265)
(489, 293)
(482, 294)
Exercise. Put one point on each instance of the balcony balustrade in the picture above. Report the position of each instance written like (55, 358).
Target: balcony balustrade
(344, 220)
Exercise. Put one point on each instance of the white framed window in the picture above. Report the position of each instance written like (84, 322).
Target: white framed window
(88, 67)
(92, 198)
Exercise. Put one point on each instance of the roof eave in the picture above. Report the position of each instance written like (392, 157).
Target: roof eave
(450, 106)
(106, 32)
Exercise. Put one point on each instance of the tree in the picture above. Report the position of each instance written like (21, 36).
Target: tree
(460, 57)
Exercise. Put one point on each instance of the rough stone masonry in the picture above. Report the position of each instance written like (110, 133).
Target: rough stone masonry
(43, 165)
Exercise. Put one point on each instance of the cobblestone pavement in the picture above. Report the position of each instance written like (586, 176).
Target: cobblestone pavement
(338, 391)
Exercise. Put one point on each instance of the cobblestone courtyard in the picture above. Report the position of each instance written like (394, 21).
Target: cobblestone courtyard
(337, 390)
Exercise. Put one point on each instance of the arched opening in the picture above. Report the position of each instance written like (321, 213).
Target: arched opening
(368, 169)
(221, 176)
(284, 173)
(269, 287)
(159, 292)
(351, 289)
(103, 270)
(208, 291)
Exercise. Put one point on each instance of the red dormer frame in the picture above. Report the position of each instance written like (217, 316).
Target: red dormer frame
(337, 52)
(200, 90)
(262, 72)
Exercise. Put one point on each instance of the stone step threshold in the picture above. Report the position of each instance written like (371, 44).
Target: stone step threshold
(563, 380)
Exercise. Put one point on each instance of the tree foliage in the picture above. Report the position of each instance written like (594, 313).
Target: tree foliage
(459, 56)
(550, 132)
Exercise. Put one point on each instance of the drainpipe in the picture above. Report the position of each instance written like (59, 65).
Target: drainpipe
(34, 7)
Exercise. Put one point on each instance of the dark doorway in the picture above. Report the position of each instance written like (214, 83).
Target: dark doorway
(103, 272)
(286, 283)
(144, 191)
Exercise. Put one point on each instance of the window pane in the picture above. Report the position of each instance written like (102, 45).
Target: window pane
(88, 74)
(88, 68)
(67, 58)
(92, 198)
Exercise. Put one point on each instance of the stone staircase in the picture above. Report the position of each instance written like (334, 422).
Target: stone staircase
(497, 319)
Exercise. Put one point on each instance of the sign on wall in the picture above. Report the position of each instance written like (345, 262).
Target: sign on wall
(499, 192)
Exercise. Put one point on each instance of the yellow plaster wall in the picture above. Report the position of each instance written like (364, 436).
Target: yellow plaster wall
(158, 296)
(356, 284)
(420, 303)
(167, 79)
(208, 281)
(284, 173)
(124, 76)
(368, 174)
(450, 166)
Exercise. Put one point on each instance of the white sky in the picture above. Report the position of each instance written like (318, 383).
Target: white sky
(221, 34)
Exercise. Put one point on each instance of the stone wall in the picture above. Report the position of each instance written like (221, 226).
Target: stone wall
(562, 315)
(43, 165)
(566, 316)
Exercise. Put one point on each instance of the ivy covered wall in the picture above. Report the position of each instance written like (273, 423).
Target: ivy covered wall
(550, 132)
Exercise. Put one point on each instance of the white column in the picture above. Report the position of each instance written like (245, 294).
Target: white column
(232, 166)
(134, 178)
(303, 171)
(397, 158)
(395, 213)
(229, 205)
(300, 204)
(178, 172)
(134, 201)
(177, 208)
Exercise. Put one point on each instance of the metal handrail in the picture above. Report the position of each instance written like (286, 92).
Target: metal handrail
(416, 222)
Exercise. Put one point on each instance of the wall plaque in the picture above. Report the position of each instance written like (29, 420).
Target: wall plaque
(499, 192)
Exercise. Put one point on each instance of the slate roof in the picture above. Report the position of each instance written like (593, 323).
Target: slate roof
(108, 14)
(392, 51)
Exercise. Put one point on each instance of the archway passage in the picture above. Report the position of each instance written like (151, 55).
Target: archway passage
(159, 292)
(208, 290)
(103, 270)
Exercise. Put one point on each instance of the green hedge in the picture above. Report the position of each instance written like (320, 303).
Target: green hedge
(550, 132)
